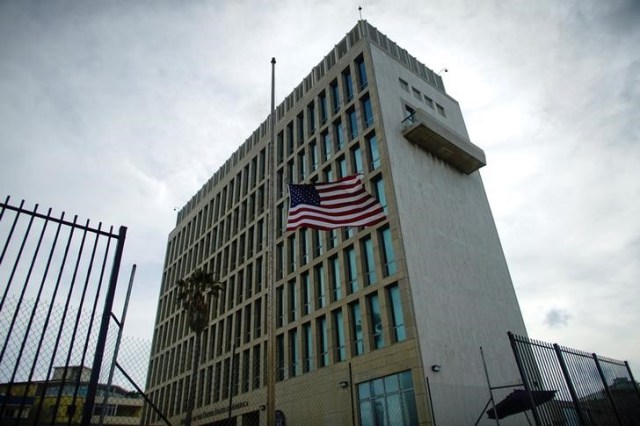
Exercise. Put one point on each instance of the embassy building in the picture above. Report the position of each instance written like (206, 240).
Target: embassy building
(374, 326)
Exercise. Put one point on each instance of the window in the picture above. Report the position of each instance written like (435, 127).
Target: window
(342, 167)
(279, 306)
(416, 93)
(304, 246)
(280, 357)
(294, 354)
(397, 316)
(313, 153)
(293, 250)
(333, 236)
(374, 154)
(247, 323)
(306, 294)
(290, 144)
(367, 112)
(245, 372)
(410, 115)
(256, 366)
(440, 109)
(258, 274)
(311, 117)
(353, 124)
(375, 319)
(404, 85)
(356, 159)
(378, 184)
(347, 82)
(388, 400)
(320, 289)
(338, 325)
(352, 270)
(326, 143)
(308, 348)
(335, 96)
(293, 301)
(390, 266)
(302, 167)
(279, 259)
(280, 147)
(323, 342)
(257, 319)
(362, 72)
(356, 328)
(300, 127)
(225, 382)
(318, 242)
(291, 173)
(369, 261)
(336, 278)
(328, 174)
(428, 101)
(339, 134)
(322, 101)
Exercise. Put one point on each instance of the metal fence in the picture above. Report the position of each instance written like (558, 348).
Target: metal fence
(589, 389)
(58, 280)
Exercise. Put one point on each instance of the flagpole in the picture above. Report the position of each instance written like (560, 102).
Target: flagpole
(271, 248)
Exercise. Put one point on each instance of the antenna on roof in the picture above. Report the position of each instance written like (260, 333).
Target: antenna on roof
(360, 12)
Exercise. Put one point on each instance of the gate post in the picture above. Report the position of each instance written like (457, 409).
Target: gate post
(523, 376)
(87, 411)
(606, 388)
(567, 378)
(635, 384)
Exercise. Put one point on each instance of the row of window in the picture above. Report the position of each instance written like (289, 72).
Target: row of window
(321, 283)
(348, 126)
(423, 98)
(254, 170)
(228, 222)
(239, 373)
(248, 241)
(348, 331)
(344, 333)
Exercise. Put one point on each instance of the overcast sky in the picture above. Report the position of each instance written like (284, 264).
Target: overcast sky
(120, 111)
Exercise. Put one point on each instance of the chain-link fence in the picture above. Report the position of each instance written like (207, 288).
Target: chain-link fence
(58, 281)
(45, 371)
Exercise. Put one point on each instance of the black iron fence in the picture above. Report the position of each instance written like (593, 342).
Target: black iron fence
(58, 281)
(589, 389)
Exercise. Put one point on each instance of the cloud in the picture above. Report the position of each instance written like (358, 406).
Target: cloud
(121, 111)
(557, 317)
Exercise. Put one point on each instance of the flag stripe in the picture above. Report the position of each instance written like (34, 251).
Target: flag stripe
(333, 205)
(338, 211)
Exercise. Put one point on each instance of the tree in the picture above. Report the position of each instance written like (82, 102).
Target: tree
(193, 295)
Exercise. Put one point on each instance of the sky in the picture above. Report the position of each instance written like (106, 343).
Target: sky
(120, 111)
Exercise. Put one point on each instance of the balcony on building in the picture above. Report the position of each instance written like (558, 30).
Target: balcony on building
(425, 131)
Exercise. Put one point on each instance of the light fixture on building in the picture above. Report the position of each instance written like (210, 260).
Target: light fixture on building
(343, 384)
(436, 368)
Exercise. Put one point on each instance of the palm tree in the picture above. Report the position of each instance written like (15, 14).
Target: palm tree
(193, 295)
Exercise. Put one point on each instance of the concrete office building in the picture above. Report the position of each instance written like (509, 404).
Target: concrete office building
(372, 323)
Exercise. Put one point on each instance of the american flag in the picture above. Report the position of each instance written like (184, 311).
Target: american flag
(333, 205)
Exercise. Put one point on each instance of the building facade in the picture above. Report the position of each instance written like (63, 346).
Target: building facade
(372, 324)
(60, 401)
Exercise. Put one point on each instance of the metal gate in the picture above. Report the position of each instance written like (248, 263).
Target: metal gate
(58, 280)
(588, 389)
